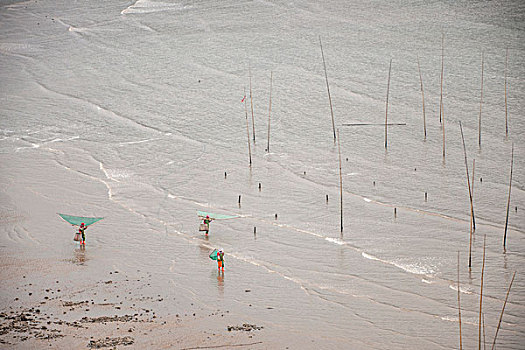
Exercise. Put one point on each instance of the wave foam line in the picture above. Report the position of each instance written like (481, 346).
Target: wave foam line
(412, 268)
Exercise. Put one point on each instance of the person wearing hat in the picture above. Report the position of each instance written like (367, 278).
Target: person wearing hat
(220, 259)
(207, 221)
(82, 232)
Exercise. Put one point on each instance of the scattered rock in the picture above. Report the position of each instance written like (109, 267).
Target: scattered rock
(245, 327)
(110, 342)
(101, 319)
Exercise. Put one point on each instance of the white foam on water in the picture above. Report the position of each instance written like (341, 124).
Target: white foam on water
(414, 268)
(367, 200)
(136, 142)
(464, 290)
(335, 240)
(145, 7)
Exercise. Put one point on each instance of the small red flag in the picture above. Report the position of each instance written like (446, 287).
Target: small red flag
(243, 98)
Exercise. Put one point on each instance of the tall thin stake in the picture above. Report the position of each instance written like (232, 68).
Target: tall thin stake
(386, 111)
(443, 127)
(481, 294)
(340, 178)
(251, 104)
(506, 119)
(472, 181)
(247, 128)
(502, 310)
(480, 100)
(269, 112)
(327, 87)
(508, 200)
(470, 196)
(459, 310)
(484, 341)
(442, 68)
(423, 97)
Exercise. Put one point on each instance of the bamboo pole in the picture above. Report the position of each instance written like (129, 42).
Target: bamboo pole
(327, 87)
(502, 310)
(473, 222)
(480, 100)
(247, 128)
(443, 127)
(340, 178)
(508, 200)
(472, 181)
(506, 119)
(459, 311)
(442, 68)
(386, 110)
(423, 97)
(269, 112)
(251, 104)
(481, 294)
(484, 341)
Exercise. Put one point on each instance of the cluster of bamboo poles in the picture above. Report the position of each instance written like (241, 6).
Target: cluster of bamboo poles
(470, 182)
(386, 124)
(481, 316)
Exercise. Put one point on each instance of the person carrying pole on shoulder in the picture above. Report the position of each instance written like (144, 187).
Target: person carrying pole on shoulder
(207, 221)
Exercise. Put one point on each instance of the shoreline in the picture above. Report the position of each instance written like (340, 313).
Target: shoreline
(49, 300)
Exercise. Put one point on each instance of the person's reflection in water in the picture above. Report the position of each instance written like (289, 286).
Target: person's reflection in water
(80, 255)
(220, 282)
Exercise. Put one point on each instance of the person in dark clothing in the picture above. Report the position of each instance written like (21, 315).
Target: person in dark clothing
(82, 231)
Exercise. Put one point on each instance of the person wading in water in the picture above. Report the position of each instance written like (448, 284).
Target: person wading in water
(82, 232)
(220, 259)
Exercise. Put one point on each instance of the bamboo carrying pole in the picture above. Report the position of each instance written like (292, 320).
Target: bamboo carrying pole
(251, 103)
(269, 112)
(459, 310)
(442, 66)
(481, 294)
(247, 128)
(473, 226)
(340, 178)
(480, 101)
(508, 200)
(506, 119)
(327, 87)
(386, 110)
(423, 97)
(502, 310)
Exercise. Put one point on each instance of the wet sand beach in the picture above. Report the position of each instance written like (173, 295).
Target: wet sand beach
(135, 111)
